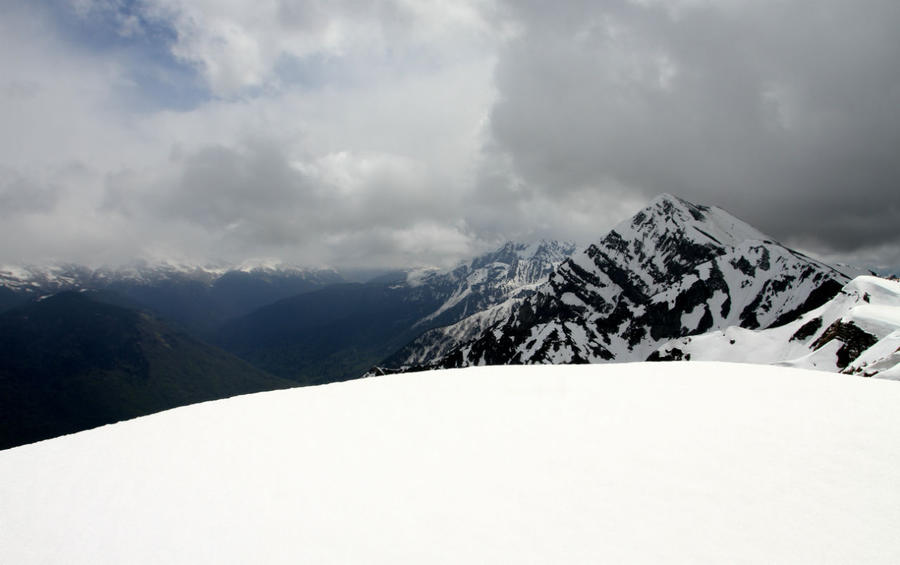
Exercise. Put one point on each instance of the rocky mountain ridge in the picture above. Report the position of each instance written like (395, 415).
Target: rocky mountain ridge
(673, 269)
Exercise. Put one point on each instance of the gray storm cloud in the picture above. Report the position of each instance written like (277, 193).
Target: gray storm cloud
(253, 199)
(21, 195)
(786, 113)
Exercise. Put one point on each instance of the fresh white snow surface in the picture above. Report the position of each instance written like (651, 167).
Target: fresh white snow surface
(663, 462)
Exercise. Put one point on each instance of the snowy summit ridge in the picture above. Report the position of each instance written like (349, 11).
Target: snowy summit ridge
(856, 332)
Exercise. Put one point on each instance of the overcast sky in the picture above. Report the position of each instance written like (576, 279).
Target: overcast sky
(401, 133)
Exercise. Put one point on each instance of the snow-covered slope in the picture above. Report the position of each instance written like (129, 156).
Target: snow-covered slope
(513, 270)
(674, 269)
(479, 293)
(858, 332)
(438, 342)
(629, 463)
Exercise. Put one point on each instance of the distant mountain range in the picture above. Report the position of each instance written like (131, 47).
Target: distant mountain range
(81, 347)
(310, 326)
(197, 298)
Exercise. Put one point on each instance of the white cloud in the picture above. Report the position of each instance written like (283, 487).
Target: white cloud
(402, 132)
(382, 160)
(782, 112)
(237, 44)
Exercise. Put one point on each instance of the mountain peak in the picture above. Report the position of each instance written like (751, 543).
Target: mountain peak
(665, 240)
(666, 198)
(668, 218)
(669, 205)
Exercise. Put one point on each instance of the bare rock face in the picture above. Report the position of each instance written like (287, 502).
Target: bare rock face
(853, 341)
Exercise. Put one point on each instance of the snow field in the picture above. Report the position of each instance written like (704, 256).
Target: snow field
(665, 462)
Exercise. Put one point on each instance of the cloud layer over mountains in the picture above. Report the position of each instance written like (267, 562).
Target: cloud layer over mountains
(400, 133)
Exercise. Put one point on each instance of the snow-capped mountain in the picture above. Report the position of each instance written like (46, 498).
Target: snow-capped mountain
(627, 463)
(438, 342)
(69, 276)
(480, 293)
(856, 332)
(674, 269)
(197, 297)
(513, 270)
